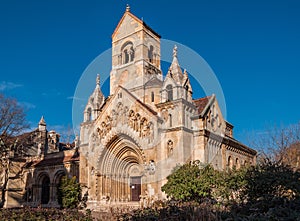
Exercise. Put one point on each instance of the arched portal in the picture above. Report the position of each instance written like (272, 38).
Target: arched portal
(45, 189)
(57, 183)
(121, 170)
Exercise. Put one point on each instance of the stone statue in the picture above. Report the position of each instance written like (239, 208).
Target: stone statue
(100, 132)
(114, 118)
(150, 132)
(137, 125)
(108, 123)
(131, 119)
(124, 115)
(144, 128)
(104, 130)
(170, 147)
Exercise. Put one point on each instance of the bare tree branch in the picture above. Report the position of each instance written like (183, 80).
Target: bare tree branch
(12, 124)
(280, 144)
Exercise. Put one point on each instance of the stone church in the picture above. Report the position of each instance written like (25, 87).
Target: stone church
(36, 166)
(131, 140)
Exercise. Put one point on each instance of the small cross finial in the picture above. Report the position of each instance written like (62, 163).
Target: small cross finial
(175, 51)
(127, 8)
(98, 80)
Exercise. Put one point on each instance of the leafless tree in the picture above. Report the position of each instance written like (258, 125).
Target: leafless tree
(280, 144)
(12, 124)
(67, 135)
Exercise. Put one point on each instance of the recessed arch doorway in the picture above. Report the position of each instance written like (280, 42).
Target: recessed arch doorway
(45, 189)
(121, 170)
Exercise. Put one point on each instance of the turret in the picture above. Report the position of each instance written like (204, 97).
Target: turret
(176, 84)
(42, 138)
(42, 124)
(95, 103)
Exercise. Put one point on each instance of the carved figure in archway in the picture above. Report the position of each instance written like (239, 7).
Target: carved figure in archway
(144, 127)
(170, 147)
(100, 133)
(114, 118)
(132, 119)
(108, 123)
(124, 119)
(104, 130)
(137, 124)
(150, 132)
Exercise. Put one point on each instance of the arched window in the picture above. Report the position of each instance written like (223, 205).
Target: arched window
(170, 147)
(186, 91)
(126, 56)
(127, 52)
(150, 53)
(169, 92)
(230, 162)
(237, 163)
(89, 114)
(152, 96)
(170, 120)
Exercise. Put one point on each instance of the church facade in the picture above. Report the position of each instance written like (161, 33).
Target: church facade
(133, 139)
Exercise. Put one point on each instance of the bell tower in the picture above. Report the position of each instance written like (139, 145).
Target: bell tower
(135, 55)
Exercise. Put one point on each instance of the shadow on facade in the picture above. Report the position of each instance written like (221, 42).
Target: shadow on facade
(44, 176)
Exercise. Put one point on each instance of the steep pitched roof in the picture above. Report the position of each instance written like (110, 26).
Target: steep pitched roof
(42, 121)
(57, 158)
(140, 102)
(97, 98)
(154, 81)
(128, 13)
(175, 71)
(201, 103)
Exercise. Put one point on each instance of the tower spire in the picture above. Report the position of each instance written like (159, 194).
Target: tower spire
(175, 69)
(42, 121)
(42, 124)
(98, 80)
(175, 51)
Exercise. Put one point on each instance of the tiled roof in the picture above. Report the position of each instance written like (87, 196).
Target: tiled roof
(201, 103)
(56, 160)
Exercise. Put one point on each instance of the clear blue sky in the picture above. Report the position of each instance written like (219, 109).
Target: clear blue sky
(252, 46)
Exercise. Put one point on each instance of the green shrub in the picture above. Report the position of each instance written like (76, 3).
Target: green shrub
(69, 192)
(191, 182)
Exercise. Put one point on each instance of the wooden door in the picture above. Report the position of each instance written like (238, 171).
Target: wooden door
(135, 188)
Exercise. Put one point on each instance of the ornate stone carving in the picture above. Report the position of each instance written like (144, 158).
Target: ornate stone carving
(213, 119)
(165, 114)
(137, 126)
(170, 146)
(150, 132)
(152, 70)
(115, 117)
(132, 119)
(144, 128)
(123, 116)
(124, 119)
